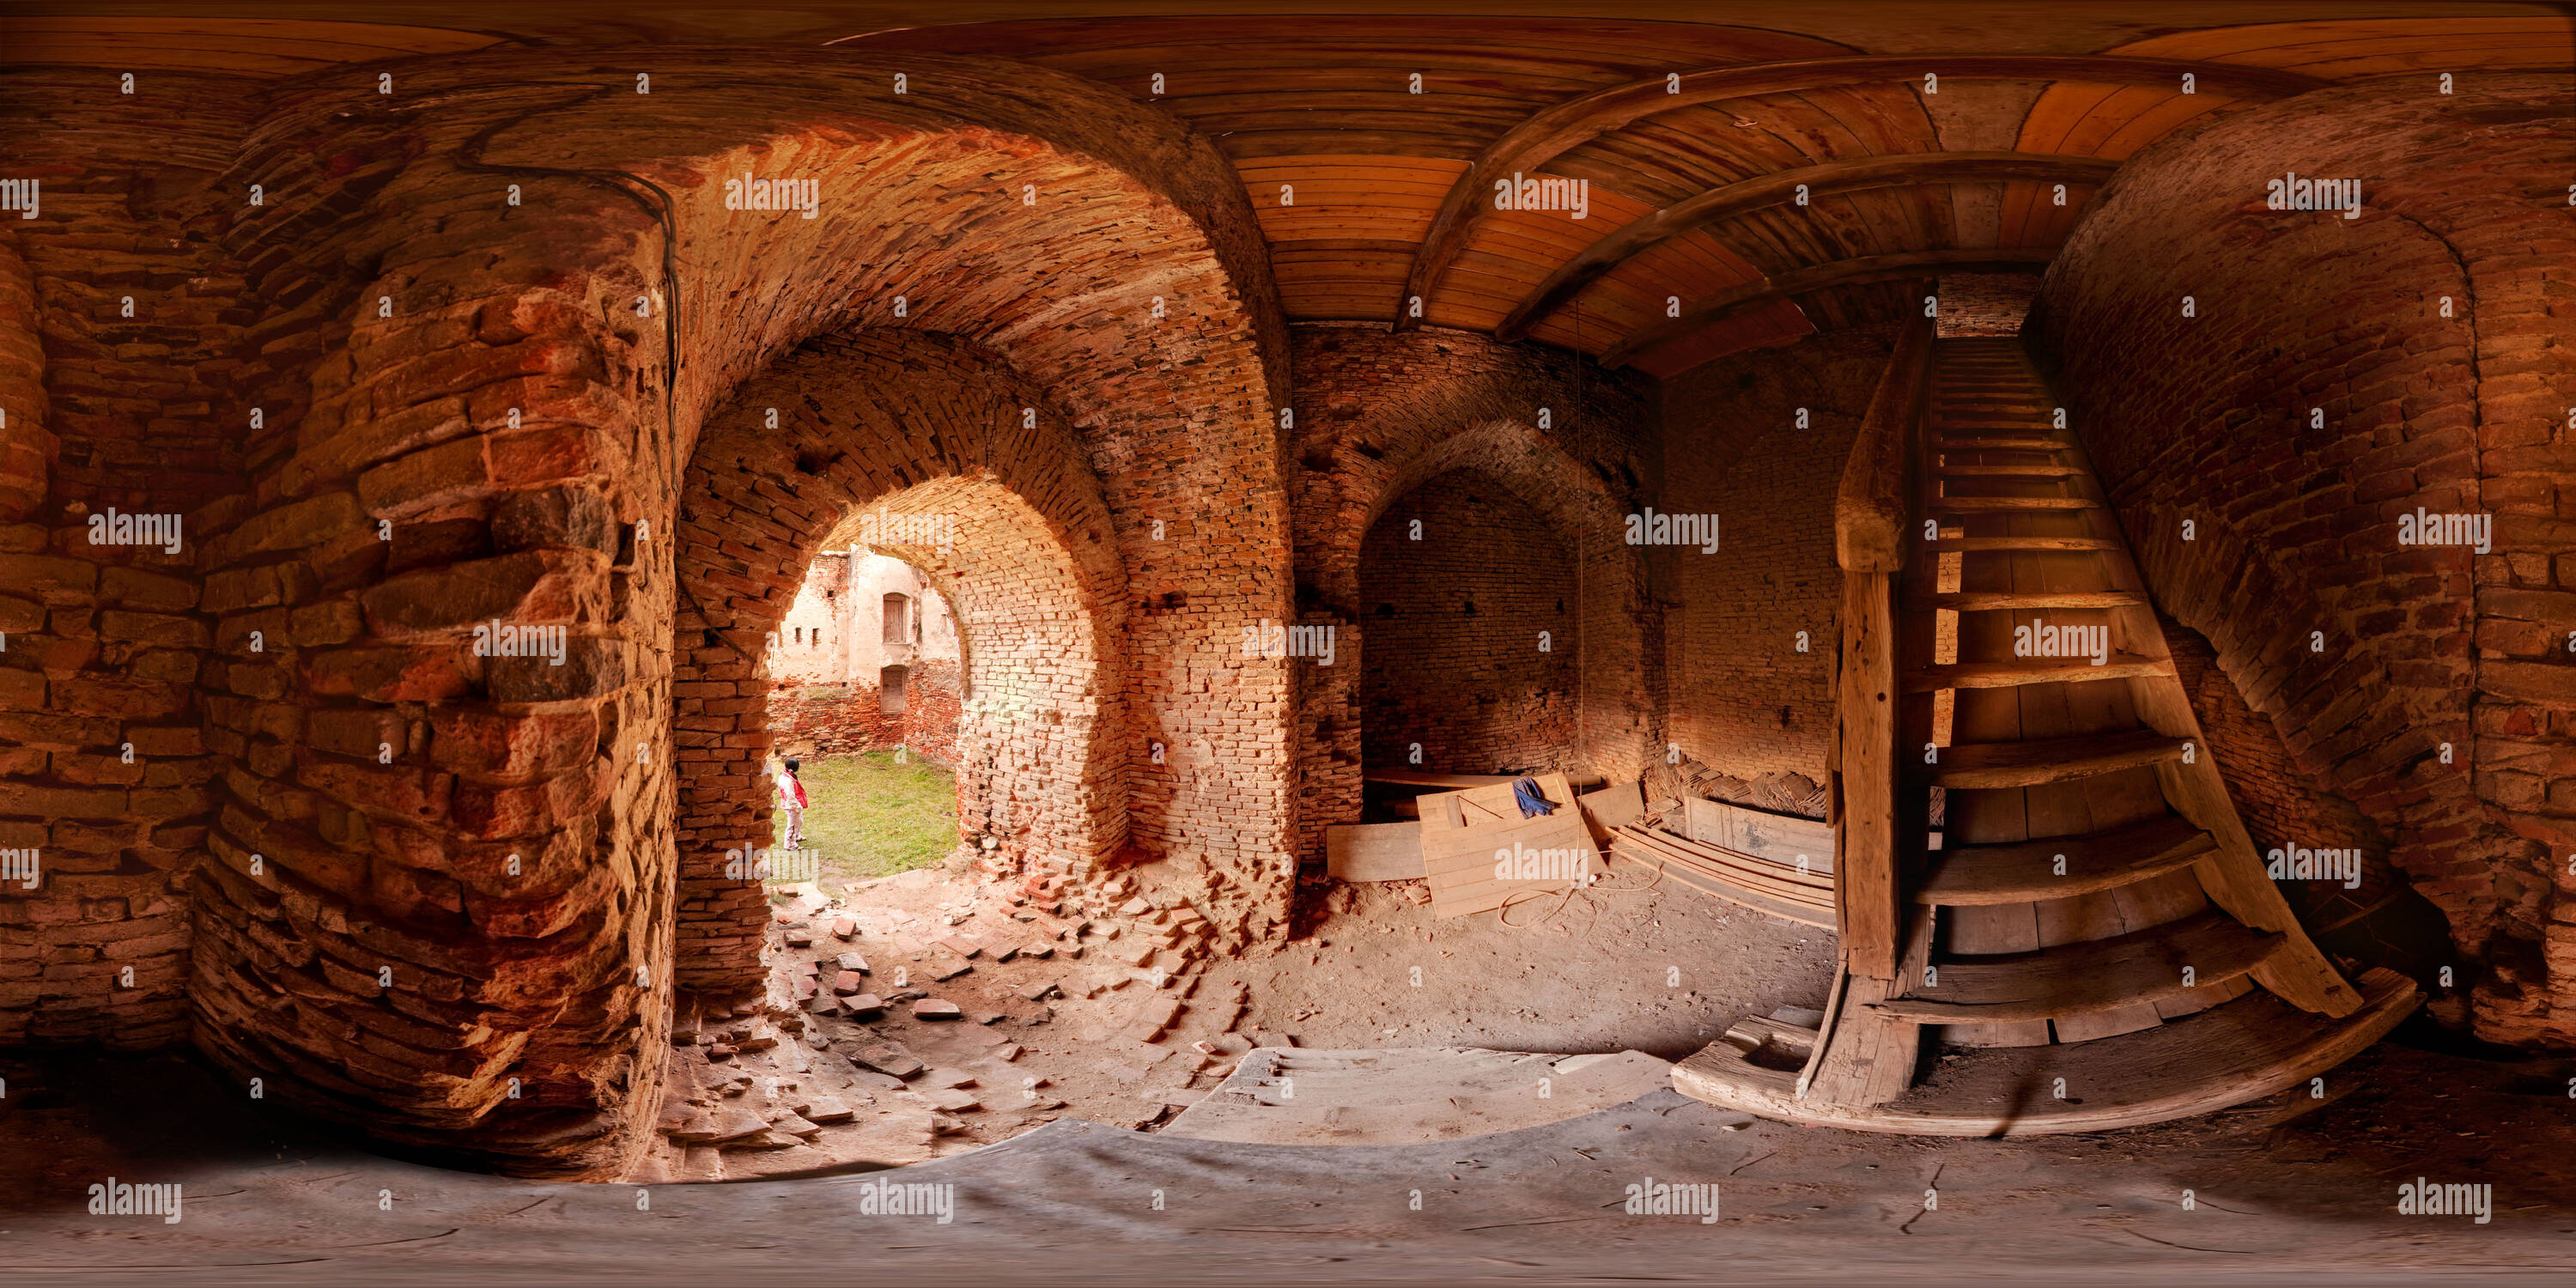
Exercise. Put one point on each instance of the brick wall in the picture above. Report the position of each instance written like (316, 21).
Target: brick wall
(1380, 415)
(1745, 701)
(1454, 619)
(834, 720)
(120, 298)
(1041, 742)
(2209, 419)
(2382, 920)
(435, 890)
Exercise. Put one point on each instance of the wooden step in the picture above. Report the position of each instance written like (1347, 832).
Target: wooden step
(2135, 969)
(2014, 672)
(1988, 601)
(2027, 871)
(2252, 1047)
(1972, 544)
(1754, 1032)
(2007, 471)
(1962, 504)
(2002, 443)
(2033, 761)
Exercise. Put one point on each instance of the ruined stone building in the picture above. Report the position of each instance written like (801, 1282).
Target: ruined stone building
(417, 431)
(856, 618)
(881, 644)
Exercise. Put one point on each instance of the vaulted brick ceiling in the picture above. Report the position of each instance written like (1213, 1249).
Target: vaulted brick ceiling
(1374, 187)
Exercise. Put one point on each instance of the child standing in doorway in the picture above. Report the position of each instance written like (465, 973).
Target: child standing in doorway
(791, 802)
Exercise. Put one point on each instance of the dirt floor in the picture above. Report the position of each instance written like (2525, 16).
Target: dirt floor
(1038, 1104)
(1053, 1017)
(2275, 1199)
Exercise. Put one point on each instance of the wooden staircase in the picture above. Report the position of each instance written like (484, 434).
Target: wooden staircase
(2036, 851)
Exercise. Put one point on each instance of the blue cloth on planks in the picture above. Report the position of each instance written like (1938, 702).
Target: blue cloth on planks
(1532, 802)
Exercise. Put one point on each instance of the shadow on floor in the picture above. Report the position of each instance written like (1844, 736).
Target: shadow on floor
(270, 1199)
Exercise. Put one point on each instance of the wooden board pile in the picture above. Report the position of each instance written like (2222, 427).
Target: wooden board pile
(1765, 875)
(1480, 854)
(1803, 843)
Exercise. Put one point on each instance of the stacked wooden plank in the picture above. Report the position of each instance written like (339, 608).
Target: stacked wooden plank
(1753, 881)
(1454, 782)
(1393, 851)
(1479, 853)
(1781, 838)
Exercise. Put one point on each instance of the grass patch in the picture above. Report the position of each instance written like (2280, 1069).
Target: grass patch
(871, 817)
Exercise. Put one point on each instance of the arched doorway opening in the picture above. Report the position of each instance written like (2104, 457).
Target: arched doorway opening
(1033, 590)
(1471, 599)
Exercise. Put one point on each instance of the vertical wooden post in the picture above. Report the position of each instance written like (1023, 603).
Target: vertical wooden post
(1865, 852)
(1872, 513)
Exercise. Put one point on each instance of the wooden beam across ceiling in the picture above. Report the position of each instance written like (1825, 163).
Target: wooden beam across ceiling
(1559, 129)
(1783, 187)
(1862, 271)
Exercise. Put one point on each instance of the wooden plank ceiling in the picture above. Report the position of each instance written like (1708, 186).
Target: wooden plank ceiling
(1372, 193)
(1322, 111)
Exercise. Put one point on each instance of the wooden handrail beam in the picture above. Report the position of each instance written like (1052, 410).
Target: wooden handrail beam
(1870, 517)
(1870, 509)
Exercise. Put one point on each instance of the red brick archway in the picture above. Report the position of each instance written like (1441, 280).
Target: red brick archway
(1615, 723)
(443, 897)
(932, 450)
(1472, 599)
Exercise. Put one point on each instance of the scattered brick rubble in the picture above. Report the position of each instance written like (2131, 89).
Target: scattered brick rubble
(930, 1013)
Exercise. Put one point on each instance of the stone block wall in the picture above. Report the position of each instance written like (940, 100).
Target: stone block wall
(2335, 377)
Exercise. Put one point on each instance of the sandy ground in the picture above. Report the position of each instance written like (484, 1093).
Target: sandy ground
(1623, 966)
